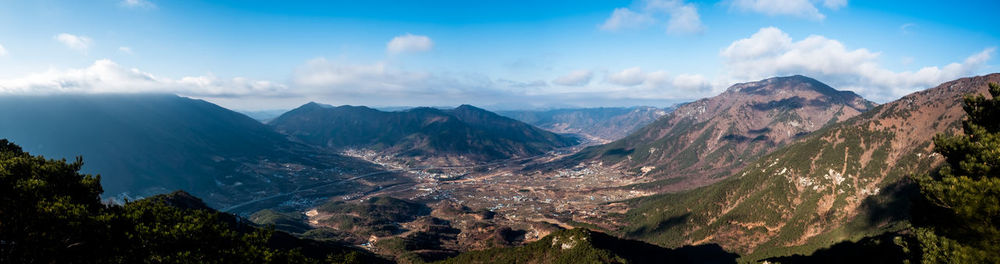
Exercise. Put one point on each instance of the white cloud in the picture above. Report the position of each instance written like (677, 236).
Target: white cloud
(106, 76)
(684, 19)
(409, 43)
(771, 52)
(575, 78)
(628, 77)
(660, 84)
(692, 82)
(352, 78)
(376, 84)
(79, 43)
(3, 51)
(799, 8)
(623, 18)
(126, 50)
(680, 17)
(137, 4)
(382, 81)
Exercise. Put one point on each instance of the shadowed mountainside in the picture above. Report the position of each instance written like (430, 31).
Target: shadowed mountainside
(148, 144)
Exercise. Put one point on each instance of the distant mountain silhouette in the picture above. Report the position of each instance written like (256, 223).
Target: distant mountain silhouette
(465, 132)
(264, 116)
(603, 124)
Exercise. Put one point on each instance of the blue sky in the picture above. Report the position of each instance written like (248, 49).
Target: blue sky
(256, 55)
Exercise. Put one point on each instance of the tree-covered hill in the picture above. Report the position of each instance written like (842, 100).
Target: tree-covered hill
(50, 213)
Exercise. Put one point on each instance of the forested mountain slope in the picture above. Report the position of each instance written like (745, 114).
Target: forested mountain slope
(841, 182)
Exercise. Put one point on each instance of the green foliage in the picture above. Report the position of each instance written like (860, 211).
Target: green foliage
(935, 248)
(49, 213)
(292, 222)
(551, 249)
(580, 245)
(965, 194)
(152, 231)
(378, 215)
(399, 247)
(46, 208)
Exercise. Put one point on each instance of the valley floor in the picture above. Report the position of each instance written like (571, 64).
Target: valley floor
(531, 203)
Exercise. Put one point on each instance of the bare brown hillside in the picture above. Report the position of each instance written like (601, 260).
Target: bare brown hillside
(706, 140)
(841, 182)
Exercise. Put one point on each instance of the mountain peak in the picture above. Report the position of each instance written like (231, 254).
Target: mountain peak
(718, 135)
(774, 84)
(314, 105)
(468, 108)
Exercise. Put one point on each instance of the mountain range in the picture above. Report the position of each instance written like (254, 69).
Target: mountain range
(706, 140)
(778, 167)
(462, 134)
(264, 116)
(600, 125)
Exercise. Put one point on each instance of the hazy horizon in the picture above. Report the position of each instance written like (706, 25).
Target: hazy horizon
(502, 55)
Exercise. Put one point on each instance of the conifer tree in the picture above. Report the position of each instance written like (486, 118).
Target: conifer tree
(965, 223)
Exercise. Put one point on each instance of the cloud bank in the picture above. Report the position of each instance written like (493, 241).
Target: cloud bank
(772, 52)
(766, 53)
(106, 76)
(575, 78)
